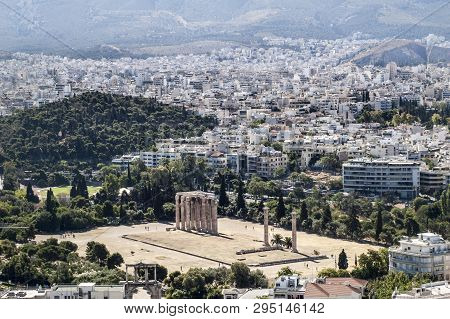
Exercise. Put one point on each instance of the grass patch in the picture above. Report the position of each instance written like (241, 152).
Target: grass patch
(65, 191)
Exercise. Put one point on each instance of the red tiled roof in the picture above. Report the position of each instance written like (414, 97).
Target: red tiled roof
(355, 282)
(329, 291)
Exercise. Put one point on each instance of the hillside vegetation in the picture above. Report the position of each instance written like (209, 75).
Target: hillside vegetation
(91, 128)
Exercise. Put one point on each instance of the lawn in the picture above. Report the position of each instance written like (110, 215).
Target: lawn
(65, 191)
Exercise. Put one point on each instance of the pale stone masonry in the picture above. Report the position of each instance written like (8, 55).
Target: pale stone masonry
(196, 211)
(294, 232)
(266, 226)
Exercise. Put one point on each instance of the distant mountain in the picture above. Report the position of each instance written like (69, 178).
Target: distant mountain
(86, 24)
(402, 52)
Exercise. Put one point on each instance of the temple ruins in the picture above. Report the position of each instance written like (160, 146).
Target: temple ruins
(196, 211)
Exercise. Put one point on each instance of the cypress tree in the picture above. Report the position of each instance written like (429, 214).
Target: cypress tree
(303, 212)
(73, 192)
(379, 225)
(353, 226)
(82, 189)
(30, 196)
(223, 197)
(122, 214)
(129, 180)
(51, 204)
(326, 217)
(281, 208)
(343, 261)
(445, 202)
(240, 200)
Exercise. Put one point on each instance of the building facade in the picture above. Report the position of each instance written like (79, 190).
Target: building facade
(427, 254)
(382, 177)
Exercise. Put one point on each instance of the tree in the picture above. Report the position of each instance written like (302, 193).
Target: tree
(240, 200)
(240, 274)
(73, 192)
(129, 179)
(256, 187)
(122, 214)
(223, 197)
(412, 227)
(445, 202)
(353, 224)
(30, 195)
(436, 119)
(111, 186)
(115, 260)
(10, 177)
(379, 225)
(277, 240)
(82, 189)
(63, 274)
(427, 212)
(258, 279)
(287, 271)
(281, 208)
(97, 253)
(333, 273)
(47, 222)
(326, 218)
(384, 287)
(303, 212)
(373, 264)
(287, 242)
(51, 204)
(343, 261)
(108, 209)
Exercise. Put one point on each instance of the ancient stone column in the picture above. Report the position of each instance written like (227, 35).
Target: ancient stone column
(208, 215)
(294, 232)
(177, 211)
(188, 214)
(266, 226)
(198, 210)
(183, 212)
(203, 215)
(215, 229)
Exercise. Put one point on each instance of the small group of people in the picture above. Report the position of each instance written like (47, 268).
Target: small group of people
(68, 235)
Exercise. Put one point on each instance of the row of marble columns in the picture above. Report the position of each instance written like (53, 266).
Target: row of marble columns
(294, 229)
(196, 212)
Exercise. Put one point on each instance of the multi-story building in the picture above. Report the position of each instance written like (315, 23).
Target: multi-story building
(382, 176)
(428, 254)
(432, 181)
(293, 287)
(289, 287)
(80, 291)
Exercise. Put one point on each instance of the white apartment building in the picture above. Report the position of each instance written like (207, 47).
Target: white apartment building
(289, 287)
(382, 177)
(428, 253)
(154, 159)
(80, 291)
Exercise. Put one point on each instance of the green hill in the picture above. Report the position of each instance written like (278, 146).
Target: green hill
(92, 128)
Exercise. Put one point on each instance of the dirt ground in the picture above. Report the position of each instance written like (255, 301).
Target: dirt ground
(235, 235)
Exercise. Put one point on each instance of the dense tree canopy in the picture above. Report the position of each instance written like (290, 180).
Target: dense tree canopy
(92, 128)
